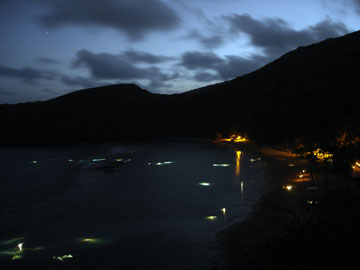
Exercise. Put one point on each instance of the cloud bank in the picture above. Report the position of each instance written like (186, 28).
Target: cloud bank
(135, 18)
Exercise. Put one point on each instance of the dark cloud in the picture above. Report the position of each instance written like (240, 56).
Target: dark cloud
(212, 42)
(145, 57)
(156, 85)
(235, 66)
(135, 17)
(209, 42)
(327, 29)
(108, 66)
(225, 68)
(47, 90)
(84, 82)
(105, 66)
(6, 93)
(206, 77)
(46, 61)
(276, 36)
(357, 5)
(28, 74)
(200, 60)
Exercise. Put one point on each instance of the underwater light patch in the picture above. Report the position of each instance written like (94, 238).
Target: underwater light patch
(205, 184)
(61, 258)
(98, 159)
(16, 249)
(90, 240)
(164, 163)
(12, 241)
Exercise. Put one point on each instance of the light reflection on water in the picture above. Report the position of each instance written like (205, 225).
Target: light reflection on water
(237, 167)
(61, 203)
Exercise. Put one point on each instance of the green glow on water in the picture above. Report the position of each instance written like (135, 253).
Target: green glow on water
(61, 258)
(211, 217)
(164, 163)
(34, 249)
(14, 253)
(12, 241)
(98, 159)
(8, 252)
(16, 248)
(16, 257)
(221, 165)
(90, 240)
(204, 184)
(168, 162)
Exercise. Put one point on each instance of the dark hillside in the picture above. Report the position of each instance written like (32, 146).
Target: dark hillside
(305, 91)
(311, 91)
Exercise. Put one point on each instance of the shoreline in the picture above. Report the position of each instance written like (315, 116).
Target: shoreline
(271, 210)
(294, 228)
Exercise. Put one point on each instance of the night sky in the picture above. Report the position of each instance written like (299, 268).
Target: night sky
(51, 47)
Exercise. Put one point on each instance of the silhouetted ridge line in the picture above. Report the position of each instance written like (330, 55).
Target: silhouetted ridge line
(310, 91)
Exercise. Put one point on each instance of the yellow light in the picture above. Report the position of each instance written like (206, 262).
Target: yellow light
(240, 139)
(118, 159)
(235, 138)
(288, 187)
(223, 210)
(291, 165)
(211, 217)
(238, 159)
(312, 202)
(322, 155)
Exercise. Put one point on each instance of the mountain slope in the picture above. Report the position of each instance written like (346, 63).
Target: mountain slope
(311, 91)
(310, 88)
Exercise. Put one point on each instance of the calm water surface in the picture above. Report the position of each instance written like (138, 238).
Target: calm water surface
(148, 205)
